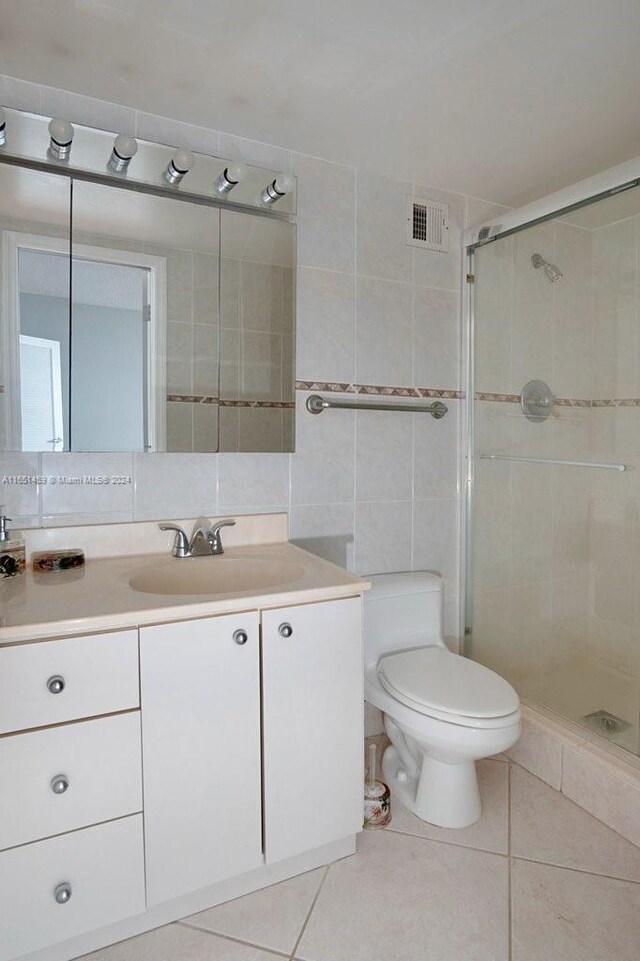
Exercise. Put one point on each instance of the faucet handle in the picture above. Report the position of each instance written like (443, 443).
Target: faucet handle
(181, 542)
(227, 522)
(213, 535)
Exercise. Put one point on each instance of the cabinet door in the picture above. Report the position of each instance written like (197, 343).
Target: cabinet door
(313, 725)
(200, 693)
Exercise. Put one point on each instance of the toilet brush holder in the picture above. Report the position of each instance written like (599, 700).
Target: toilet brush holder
(377, 797)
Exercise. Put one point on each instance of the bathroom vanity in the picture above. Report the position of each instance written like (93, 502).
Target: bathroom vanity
(164, 752)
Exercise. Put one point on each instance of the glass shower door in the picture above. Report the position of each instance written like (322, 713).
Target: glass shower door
(554, 566)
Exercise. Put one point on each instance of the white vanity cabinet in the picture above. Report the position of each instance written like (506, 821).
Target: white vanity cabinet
(313, 725)
(200, 693)
(154, 771)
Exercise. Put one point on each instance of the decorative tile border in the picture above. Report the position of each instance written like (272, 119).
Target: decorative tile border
(209, 399)
(377, 390)
(582, 402)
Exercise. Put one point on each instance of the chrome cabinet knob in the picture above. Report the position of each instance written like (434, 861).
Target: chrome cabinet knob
(62, 892)
(56, 684)
(59, 783)
(285, 630)
(240, 637)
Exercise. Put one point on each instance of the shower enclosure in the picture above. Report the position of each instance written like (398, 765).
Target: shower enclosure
(553, 558)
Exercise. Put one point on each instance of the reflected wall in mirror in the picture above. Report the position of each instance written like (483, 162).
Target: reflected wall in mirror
(257, 333)
(149, 267)
(35, 210)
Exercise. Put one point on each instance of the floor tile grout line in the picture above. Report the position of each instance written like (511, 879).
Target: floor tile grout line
(230, 937)
(309, 913)
(565, 867)
(453, 844)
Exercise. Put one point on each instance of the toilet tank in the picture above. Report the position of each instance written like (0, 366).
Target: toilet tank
(402, 611)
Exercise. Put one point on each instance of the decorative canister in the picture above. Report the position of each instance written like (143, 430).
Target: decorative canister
(377, 797)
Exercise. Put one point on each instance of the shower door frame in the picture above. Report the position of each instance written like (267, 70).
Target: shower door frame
(610, 182)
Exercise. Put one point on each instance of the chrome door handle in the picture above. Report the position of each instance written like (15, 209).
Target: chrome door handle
(285, 630)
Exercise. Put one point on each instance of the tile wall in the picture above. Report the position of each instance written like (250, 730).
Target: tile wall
(377, 492)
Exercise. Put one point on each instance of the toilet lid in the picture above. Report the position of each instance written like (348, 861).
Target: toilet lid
(436, 678)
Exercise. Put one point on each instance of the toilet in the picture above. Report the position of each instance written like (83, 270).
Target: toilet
(442, 711)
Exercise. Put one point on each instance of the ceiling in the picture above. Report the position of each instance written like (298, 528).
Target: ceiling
(506, 100)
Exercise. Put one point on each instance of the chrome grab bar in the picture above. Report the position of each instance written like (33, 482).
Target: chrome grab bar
(316, 404)
(546, 460)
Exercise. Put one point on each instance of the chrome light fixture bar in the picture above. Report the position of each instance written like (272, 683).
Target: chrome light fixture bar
(58, 146)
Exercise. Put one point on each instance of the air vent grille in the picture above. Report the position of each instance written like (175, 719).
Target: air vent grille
(427, 224)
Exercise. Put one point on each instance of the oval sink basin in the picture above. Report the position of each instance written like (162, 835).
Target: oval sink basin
(214, 575)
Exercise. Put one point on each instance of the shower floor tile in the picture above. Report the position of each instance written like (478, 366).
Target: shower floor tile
(537, 878)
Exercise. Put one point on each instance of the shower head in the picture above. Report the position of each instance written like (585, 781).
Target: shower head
(550, 270)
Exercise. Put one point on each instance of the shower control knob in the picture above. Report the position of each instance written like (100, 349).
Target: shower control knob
(55, 684)
(240, 637)
(285, 630)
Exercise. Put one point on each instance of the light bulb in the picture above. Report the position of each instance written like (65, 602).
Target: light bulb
(232, 174)
(61, 133)
(124, 149)
(178, 166)
(283, 184)
(3, 128)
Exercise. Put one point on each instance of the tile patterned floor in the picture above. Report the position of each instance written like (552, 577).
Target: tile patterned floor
(536, 879)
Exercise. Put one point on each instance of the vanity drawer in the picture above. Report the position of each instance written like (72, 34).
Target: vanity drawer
(54, 681)
(69, 777)
(100, 872)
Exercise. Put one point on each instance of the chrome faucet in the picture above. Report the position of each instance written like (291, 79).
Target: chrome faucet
(205, 541)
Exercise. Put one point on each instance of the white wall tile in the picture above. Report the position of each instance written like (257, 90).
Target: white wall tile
(326, 530)
(384, 456)
(71, 486)
(381, 216)
(322, 469)
(325, 325)
(20, 94)
(85, 110)
(175, 485)
(18, 492)
(326, 214)
(383, 537)
(435, 453)
(253, 480)
(435, 538)
(437, 338)
(175, 133)
(254, 152)
(384, 332)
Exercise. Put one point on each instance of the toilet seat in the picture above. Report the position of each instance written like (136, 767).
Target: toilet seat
(437, 683)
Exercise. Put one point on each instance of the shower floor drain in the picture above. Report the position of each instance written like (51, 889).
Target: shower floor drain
(605, 723)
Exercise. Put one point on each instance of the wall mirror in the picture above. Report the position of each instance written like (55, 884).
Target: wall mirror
(133, 321)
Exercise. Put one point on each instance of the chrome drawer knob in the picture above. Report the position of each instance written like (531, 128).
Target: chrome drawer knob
(56, 684)
(285, 630)
(59, 783)
(62, 892)
(240, 637)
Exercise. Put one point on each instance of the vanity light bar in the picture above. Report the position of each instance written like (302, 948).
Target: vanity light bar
(56, 142)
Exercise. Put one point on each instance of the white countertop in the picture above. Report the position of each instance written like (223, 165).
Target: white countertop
(98, 597)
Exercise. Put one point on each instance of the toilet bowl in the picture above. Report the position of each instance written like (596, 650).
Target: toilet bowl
(442, 712)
